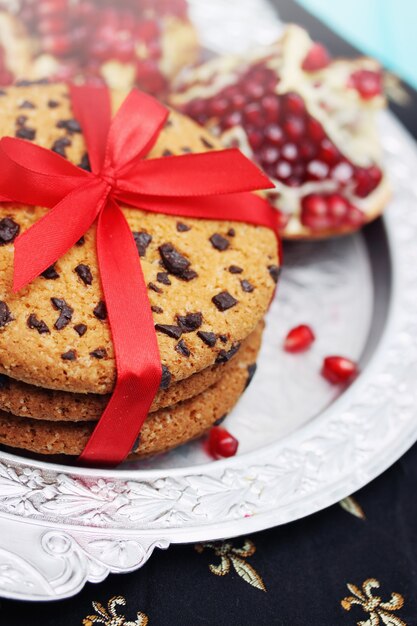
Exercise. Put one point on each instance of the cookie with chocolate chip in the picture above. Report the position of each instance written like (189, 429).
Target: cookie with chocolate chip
(163, 430)
(186, 264)
(46, 404)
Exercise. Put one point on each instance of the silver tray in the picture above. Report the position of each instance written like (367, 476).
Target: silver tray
(303, 445)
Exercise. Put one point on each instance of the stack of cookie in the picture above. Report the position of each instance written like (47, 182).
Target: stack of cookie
(209, 284)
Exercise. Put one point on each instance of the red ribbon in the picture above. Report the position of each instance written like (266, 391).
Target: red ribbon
(212, 185)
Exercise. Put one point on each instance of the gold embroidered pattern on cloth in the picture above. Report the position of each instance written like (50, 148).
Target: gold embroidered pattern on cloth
(379, 612)
(236, 557)
(109, 616)
(352, 506)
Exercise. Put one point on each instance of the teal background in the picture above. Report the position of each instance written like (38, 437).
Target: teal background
(386, 29)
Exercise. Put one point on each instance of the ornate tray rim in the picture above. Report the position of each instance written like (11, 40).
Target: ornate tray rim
(77, 525)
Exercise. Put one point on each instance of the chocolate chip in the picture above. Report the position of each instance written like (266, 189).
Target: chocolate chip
(155, 288)
(99, 353)
(235, 269)
(142, 241)
(66, 313)
(26, 105)
(3, 92)
(175, 262)
(251, 374)
(71, 355)
(246, 286)
(100, 311)
(162, 277)
(208, 338)
(220, 420)
(85, 163)
(182, 348)
(219, 242)
(275, 272)
(166, 378)
(53, 104)
(84, 272)
(224, 300)
(167, 153)
(168, 123)
(157, 309)
(172, 331)
(39, 325)
(81, 241)
(80, 329)
(60, 144)
(26, 133)
(50, 273)
(21, 120)
(136, 444)
(231, 232)
(182, 228)
(4, 382)
(72, 126)
(225, 356)
(8, 230)
(206, 143)
(190, 322)
(188, 275)
(224, 338)
(5, 314)
(186, 150)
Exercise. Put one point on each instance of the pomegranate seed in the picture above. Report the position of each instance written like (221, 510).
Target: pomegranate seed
(255, 139)
(294, 128)
(234, 119)
(294, 103)
(342, 172)
(238, 101)
(269, 155)
(307, 150)
(315, 130)
(317, 58)
(314, 212)
(367, 82)
(338, 208)
(290, 152)
(147, 30)
(221, 443)
(274, 134)
(299, 339)
(366, 180)
(283, 170)
(253, 114)
(338, 370)
(328, 152)
(218, 107)
(255, 90)
(355, 217)
(317, 170)
(270, 105)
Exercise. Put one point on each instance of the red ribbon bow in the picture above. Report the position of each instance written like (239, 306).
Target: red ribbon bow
(209, 185)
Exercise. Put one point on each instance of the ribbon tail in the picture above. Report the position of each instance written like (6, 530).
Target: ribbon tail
(51, 236)
(136, 349)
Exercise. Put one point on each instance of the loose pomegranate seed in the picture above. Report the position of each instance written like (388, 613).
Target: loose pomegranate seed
(367, 83)
(317, 58)
(299, 339)
(338, 369)
(221, 444)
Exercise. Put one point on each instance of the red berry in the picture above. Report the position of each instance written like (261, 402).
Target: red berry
(221, 443)
(367, 82)
(299, 339)
(316, 59)
(338, 370)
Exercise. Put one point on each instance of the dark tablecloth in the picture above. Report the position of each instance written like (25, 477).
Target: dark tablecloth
(352, 564)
